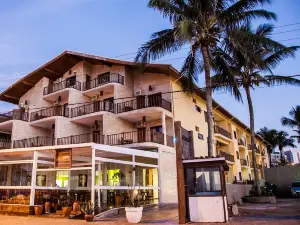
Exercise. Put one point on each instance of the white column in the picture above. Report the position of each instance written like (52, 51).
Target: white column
(133, 172)
(33, 178)
(93, 178)
(99, 171)
(164, 129)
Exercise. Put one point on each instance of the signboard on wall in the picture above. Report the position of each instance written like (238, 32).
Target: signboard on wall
(63, 158)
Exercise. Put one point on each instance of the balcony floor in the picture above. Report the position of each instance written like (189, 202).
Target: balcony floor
(221, 138)
(6, 127)
(151, 113)
(89, 119)
(64, 93)
(106, 88)
(45, 122)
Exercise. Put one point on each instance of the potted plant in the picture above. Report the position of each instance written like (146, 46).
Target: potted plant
(118, 176)
(134, 212)
(89, 213)
(66, 205)
(38, 210)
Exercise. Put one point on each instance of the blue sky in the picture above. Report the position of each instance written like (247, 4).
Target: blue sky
(34, 31)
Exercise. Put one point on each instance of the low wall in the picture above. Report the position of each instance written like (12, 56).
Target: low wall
(283, 177)
(237, 191)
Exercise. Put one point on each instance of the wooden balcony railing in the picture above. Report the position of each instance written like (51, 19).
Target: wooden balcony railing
(49, 112)
(14, 115)
(227, 156)
(143, 102)
(81, 138)
(62, 85)
(33, 142)
(222, 131)
(241, 142)
(103, 79)
(96, 106)
(244, 162)
(138, 137)
(5, 144)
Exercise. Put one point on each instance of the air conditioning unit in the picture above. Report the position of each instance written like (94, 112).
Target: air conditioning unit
(95, 97)
(140, 124)
(139, 92)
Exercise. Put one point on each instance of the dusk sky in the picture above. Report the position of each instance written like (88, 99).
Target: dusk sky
(35, 31)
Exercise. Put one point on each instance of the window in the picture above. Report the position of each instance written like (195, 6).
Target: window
(200, 136)
(198, 181)
(197, 128)
(237, 155)
(205, 116)
(234, 133)
(198, 108)
(194, 100)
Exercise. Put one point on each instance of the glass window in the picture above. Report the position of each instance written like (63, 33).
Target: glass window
(203, 181)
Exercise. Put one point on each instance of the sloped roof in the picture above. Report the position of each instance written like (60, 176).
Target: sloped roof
(59, 65)
(56, 67)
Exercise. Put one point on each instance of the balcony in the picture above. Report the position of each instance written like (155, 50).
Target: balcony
(134, 137)
(62, 85)
(33, 142)
(5, 144)
(224, 133)
(142, 102)
(241, 144)
(244, 162)
(228, 157)
(263, 153)
(49, 112)
(102, 80)
(97, 106)
(258, 166)
(14, 115)
(81, 138)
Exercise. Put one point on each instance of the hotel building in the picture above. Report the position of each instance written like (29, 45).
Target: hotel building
(97, 127)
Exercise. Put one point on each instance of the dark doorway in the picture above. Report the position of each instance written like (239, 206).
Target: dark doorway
(141, 134)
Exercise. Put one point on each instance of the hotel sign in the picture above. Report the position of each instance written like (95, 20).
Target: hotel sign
(63, 158)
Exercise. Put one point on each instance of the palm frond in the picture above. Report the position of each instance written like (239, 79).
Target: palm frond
(161, 43)
(278, 80)
(288, 122)
(265, 29)
(274, 59)
(173, 10)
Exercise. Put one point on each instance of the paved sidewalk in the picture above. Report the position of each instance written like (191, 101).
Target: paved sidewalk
(285, 212)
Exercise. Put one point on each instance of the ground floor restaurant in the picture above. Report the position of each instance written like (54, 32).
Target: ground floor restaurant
(88, 174)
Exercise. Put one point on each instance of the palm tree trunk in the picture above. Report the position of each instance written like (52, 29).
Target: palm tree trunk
(253, 147)
(281, 156)
(208, 96)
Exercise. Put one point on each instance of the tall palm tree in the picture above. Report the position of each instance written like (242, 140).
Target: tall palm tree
(270, 136)
(201, 25)
(283, 141)
(293, 122)
(239, 67)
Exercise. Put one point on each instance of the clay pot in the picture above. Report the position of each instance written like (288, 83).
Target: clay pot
(76, 208)
(38, 210)
(66, 211)
(47, 207)
(89, 218)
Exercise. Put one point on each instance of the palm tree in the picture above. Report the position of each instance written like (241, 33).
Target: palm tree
(270, 136)
(237, 67)
(293, 122)
(201, 25)
(283, 141)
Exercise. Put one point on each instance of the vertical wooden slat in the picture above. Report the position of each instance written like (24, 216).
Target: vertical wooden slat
(180, 175)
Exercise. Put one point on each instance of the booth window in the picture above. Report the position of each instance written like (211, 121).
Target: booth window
(203, 181)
